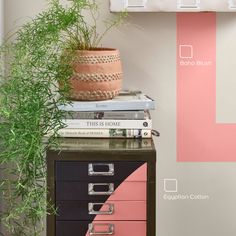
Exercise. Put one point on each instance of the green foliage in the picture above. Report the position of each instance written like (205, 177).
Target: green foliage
(36, 61)
(84, 35)
(29, 102)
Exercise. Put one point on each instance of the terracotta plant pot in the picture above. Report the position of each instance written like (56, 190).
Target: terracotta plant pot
(97, 74)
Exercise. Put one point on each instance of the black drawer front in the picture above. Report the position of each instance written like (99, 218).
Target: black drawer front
(72, 228)
(75, 210)
(95, 171)
(69, 191)
(101, 211)
(80, 191)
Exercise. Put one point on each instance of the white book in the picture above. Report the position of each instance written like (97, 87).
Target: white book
(108, 124)
(125, 101)
(107, 115)
(101, 143)
(105, 133)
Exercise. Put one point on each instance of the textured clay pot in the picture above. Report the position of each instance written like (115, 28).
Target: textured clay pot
(97, 74)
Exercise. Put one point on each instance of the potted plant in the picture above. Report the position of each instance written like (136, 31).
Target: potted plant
(41, 56)
(97, 72)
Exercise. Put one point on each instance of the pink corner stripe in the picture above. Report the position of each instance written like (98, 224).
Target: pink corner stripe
(139, 175)
(199, 138)
(128, 191)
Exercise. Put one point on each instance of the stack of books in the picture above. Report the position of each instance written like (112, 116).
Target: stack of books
(125, 116)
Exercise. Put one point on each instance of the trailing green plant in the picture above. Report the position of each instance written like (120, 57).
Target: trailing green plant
(35, 63)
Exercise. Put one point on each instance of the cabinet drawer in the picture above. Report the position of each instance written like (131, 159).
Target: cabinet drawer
(99, 171)
(126, 191)
(103, 228)
(111, 210)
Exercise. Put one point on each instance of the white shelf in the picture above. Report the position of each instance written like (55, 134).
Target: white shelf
(173, 5)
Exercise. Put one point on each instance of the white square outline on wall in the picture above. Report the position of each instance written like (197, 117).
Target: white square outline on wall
(232, 4)
(182, 5)
(175, 190)
(185, 46)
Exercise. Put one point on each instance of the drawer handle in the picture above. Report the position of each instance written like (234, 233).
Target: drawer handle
(110, 229)
(110, 210)
(92, 172)
(91, 190)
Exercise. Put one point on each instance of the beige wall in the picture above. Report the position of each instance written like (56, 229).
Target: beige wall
(148, 48)
(1, 36)
(1, 19)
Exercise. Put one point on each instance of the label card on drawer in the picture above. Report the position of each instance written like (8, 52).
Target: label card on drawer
(101, 169)
(100, 188)
(101, 229)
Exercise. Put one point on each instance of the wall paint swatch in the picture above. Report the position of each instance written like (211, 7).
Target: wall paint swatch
(199, 137)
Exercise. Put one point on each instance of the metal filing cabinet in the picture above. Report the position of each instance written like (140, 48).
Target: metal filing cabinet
(102, 187)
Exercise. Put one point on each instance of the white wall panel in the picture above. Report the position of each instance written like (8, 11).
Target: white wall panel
(173, 5)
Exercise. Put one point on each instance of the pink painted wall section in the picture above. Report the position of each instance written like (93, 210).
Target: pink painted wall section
(199, 138)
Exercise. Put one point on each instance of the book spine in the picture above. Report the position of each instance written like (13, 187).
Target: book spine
(110, 106)
(105, 133)
(107, 115)
(99, 143)
(108, 124)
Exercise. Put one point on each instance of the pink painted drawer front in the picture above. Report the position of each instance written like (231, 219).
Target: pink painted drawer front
(118, 228)
(125, 210)
(102, 228)
(130, 191)
(139, 174)
(110, 210)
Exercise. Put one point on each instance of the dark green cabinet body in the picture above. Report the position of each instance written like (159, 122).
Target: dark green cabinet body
(102, 187)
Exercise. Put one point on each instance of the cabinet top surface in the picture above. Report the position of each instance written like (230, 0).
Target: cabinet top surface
(82, 144)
